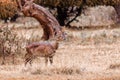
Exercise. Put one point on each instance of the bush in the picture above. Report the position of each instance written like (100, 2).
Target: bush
(102, 2)
(8, 8)
(60, 3)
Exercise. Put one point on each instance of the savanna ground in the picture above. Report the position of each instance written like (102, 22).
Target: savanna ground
(89, 54)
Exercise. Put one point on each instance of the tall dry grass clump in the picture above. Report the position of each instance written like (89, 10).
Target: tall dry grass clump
(9, 43)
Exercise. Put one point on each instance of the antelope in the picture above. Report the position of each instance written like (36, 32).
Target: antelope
(44, 49)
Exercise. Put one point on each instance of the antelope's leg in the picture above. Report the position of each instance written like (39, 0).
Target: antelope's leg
(46, 60)
(27, 60)
(51, 59)
(3, 59)
(31, 60)
(13, 58)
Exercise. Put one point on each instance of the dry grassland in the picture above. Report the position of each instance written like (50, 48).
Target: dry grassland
(85, 55)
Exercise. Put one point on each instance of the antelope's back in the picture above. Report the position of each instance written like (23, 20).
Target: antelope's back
(41, 49)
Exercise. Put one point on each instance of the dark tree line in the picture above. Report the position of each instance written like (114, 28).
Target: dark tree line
(8, 9)
(64, 7)
(67, 7)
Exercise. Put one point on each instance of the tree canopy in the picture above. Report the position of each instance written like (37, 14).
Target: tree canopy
(8, 8)
(67, 3)
(60, 3)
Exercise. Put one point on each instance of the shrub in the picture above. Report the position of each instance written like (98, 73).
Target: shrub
(102, 2)
(61, 3)
(8, 8)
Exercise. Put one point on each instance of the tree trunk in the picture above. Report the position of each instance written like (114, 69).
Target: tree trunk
(62, 15)
(51, 27)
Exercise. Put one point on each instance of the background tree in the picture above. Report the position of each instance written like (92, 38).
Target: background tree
(64, 7)
(67, 7)
(114, 3)
(8, 9)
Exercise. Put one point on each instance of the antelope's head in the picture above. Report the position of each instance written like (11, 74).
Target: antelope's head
(61, 35)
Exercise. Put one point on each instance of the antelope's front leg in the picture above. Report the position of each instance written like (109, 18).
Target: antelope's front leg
(51, 59)
(46, 61)
(28, 58)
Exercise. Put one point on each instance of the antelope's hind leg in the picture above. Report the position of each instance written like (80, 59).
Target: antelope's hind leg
(13, 58)
(3, 59)
(27, 60)
(31, 60)
(51, 59)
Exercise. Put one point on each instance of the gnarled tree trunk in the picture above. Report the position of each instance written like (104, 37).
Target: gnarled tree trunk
(51, 27)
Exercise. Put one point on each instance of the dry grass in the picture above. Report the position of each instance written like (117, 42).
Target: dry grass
(85, 55)
(73, 62)
(61, 70)
(88, 36)
(114, 66)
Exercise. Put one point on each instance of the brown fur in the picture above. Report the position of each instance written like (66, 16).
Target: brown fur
(41, 49)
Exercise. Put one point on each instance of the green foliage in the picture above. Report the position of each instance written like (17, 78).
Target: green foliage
(8, 8)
